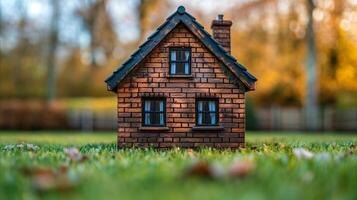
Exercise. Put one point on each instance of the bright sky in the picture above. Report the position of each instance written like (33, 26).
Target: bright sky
(122, 14)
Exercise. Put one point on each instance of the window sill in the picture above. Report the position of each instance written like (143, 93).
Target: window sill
(207, 128)
(154, 128)
(179, 76)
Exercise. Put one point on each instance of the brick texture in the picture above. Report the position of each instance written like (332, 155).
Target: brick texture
(222, 33)
(151, 78)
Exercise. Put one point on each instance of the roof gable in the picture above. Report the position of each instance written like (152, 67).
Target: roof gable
(181, 16)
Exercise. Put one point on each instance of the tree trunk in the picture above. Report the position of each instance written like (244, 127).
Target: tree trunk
(51, 59)
(311, 104)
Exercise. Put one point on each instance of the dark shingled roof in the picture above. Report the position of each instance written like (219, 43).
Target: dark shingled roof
(181, 16)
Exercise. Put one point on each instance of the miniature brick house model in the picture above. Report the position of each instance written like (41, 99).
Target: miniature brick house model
(182, 88)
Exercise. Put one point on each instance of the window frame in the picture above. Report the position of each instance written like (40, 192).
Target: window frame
(189, 61)
(216, 100)
(143, 112)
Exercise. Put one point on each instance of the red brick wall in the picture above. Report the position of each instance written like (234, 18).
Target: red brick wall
(151, 79)
(221, 31)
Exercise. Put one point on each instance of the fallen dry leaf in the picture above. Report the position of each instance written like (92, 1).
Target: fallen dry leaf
(34, 171)
(47, 179)
(200, 169)
(63, 169)
(241, 169)
(46, 182)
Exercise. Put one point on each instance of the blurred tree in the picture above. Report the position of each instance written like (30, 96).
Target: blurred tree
(98, 23)
(74, 76)
(52, 44)
(145, 9)
(269, 37)
(22, 68)
(311, 106)
(269, 42)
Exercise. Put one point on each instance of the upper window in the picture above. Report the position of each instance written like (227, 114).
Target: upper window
(207, 112)
(154, 111)
(180, 61)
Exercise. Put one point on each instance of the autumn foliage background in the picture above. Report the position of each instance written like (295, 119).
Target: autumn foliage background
(56, 54)
(57, 51)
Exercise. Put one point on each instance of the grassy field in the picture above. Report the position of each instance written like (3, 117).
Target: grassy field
(272, 166)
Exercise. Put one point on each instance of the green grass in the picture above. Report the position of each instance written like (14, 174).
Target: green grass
(148, 174)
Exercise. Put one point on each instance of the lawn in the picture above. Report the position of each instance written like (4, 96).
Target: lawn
(272, 166)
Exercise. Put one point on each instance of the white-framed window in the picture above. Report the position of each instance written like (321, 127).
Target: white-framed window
(180, 61)
(153, 111)
(207, 112)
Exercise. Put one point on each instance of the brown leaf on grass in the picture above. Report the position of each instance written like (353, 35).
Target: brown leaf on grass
(84, 158)
(63, 169)
(47, 179)
(33, 171)
(241, 169)
(200, 169)
(353, 147)
(47, 182)
(238, 169)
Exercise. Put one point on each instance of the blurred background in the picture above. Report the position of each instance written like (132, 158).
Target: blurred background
(55, 56)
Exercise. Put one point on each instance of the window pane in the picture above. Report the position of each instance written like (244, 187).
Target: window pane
(161, 118)
(152, 105)
(155, 118)
(161, 106)
(187, 55)
(180, 61)
(155, 106)
(154, 112)
(180, 68)
(207, 112)
(180, 55)
(213, 118)
(147, 119)
(187, 68)
(200, 106)
(173, 56)
(205, 106)
(212, 106)
(199, 118)
(147, 106)
(207, 119)
(173, 68)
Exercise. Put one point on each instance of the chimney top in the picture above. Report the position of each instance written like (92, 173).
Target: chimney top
(221, 30)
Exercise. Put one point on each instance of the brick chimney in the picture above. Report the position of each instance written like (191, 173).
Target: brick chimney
(222, 32)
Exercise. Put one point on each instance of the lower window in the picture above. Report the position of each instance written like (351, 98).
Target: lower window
(207, 112)
(153, 111)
